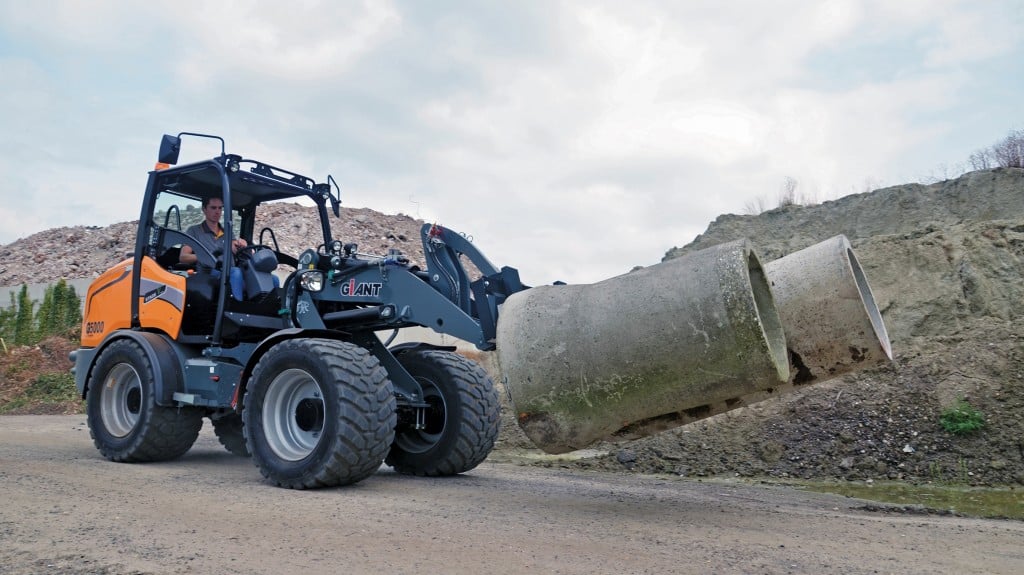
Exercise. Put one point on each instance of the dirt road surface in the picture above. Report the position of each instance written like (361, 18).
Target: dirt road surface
(66, 510)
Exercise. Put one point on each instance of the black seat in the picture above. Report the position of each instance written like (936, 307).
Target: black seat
(170, 257)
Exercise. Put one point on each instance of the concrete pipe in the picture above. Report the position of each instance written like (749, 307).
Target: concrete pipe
(583, 361)
(832, 323)
(832, 327)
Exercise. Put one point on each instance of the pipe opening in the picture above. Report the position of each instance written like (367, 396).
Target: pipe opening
(768, 315)
(869, 303)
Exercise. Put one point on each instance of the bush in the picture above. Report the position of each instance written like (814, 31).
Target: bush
(59, 314)
(46, 389)
(962, 419)
(1006, 153)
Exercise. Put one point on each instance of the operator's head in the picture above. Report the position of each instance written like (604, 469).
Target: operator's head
(211, 205)
(213, 208)
(217, 203)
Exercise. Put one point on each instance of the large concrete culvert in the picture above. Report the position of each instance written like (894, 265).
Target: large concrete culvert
(832, 323)
(581, 362)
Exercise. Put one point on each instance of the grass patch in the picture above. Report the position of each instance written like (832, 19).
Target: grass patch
(1006, 503)
(961, 419)
(46, 389)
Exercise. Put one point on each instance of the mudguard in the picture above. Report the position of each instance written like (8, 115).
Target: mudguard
(165, 357)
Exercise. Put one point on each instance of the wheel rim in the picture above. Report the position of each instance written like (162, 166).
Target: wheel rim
(121, 400)
(293, 414)
(422, 440)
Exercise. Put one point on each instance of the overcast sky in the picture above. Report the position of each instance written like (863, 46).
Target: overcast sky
(572, 140)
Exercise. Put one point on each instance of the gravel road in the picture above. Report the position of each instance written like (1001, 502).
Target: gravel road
(64, 509)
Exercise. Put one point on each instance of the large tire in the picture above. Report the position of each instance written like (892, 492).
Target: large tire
(125, 422)
(318, 413)
(461, 424)
(228, 429)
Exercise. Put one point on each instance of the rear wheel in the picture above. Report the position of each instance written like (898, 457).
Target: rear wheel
(125, 422)
(228, 429)
(318, 413)
(461, 424)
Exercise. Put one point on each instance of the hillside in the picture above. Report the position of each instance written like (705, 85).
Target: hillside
(85, 251)
(946, 264)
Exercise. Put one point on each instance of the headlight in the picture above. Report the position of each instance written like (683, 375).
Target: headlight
(312, 281)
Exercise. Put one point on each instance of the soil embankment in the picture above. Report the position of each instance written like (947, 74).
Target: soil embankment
(946, 264)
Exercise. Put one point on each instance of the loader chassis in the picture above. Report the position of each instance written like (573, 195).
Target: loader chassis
(281, 350)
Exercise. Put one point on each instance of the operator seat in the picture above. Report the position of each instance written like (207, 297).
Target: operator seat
(256, 281)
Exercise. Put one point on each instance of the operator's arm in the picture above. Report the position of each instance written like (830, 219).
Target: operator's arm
(187, 256)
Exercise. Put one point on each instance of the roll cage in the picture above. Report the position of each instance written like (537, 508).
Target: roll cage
(243, 185)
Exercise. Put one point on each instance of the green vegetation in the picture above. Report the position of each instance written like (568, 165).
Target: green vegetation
(28, 380)
(58, 315)
(49, 388)
(972, 501)
(961, 419)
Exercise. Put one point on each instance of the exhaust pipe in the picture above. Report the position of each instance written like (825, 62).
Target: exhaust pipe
(642, 351)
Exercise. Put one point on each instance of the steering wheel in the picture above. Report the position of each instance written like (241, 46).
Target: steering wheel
(246, 252)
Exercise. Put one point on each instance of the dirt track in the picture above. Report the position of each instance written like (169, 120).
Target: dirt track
(64, 509)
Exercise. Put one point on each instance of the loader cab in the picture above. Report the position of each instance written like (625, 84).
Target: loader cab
(224, 298)
(177, 212)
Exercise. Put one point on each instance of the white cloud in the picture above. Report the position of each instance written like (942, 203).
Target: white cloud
(296, 43)
(572, 140)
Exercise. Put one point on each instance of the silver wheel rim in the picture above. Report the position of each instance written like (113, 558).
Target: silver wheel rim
(422, 440)
(121, 400)
(293, 414)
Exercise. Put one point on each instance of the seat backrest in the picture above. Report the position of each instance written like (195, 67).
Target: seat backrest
(263, 260)
(170, 257)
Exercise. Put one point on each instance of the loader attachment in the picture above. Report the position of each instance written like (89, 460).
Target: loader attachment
(444, 250)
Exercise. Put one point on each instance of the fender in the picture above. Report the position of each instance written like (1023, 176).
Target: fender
(401, 348)
(262, 348)
(165, 357)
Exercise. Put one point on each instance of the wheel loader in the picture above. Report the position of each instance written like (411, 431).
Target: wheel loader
(288, 354)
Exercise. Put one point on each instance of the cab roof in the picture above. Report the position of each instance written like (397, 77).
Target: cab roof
(251, 182)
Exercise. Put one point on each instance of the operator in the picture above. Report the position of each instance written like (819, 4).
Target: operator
(208, 232)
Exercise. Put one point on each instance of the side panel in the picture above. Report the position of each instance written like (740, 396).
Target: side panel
(108, 304)
(161, 299)
(108, 301)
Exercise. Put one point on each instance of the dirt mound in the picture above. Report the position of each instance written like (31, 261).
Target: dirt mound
(36, 379)
(946, 265)
(86, 251)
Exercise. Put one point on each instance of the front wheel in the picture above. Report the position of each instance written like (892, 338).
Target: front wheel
(125, 422)
(318, 413)
(461, 424)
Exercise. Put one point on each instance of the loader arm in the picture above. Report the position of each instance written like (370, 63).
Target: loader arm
(443, 249)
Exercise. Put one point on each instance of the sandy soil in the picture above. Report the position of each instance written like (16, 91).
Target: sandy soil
(66, 510)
